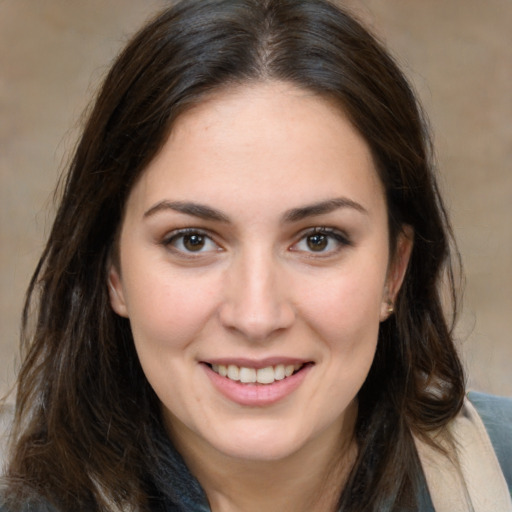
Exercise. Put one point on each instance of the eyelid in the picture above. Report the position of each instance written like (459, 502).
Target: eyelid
(326, 230)
(184, 231)
(339, 236)
(169, 238)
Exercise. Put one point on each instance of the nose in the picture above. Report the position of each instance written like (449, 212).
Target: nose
(256, 302)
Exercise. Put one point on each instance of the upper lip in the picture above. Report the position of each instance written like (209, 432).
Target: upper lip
(256, 363)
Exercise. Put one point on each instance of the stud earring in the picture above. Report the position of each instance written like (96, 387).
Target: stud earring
(391, 308)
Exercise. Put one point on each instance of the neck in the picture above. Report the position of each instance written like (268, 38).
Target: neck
(308, 480)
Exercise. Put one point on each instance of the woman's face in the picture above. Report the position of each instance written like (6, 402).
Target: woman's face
(256, 244)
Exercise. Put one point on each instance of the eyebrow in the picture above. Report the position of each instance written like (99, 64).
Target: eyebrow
(188, 208)
(322, 208)
(294, 215)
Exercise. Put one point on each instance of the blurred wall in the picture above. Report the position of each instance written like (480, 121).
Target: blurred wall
(458, 53)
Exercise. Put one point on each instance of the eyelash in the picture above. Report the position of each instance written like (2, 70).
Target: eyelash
(173, 237)
(330, 234)
(340, 238)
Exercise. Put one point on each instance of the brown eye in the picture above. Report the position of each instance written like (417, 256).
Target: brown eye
(193, 242)
(317, 242)
(324, 241)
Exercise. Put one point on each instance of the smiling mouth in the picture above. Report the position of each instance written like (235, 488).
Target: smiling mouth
(267, 375)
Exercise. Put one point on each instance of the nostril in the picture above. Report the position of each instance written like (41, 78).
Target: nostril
(256, 321)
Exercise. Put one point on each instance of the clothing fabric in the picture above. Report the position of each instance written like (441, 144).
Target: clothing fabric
(186, 495)
(495, 412)
(455, 482)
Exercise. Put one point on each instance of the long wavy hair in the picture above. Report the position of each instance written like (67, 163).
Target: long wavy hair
(85, 412)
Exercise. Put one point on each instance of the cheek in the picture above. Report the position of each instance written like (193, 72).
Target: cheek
(168, 315)
(345, 316)
(345, 307)
(168, 309)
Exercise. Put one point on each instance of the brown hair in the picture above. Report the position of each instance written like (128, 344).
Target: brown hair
(85, 413)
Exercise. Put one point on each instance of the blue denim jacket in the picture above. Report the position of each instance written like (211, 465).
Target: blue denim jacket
(187, 495)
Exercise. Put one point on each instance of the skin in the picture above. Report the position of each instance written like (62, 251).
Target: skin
(259, 155)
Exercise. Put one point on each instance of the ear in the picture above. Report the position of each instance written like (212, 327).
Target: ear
(116, 293)
(396, 271)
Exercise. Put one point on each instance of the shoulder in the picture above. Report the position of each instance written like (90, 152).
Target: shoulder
(496, 414)
(495, 409)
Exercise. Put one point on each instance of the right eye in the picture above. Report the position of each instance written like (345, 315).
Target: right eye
(191, 241)
(321, 241)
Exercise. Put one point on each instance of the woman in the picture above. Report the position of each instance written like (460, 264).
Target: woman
(239, 305)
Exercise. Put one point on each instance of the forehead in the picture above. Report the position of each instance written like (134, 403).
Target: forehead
(262, 142)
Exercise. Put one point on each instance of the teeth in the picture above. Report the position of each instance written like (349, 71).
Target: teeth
(266, 375)
(279, 373)
(247, 375)
(288, 370)
(233, 372)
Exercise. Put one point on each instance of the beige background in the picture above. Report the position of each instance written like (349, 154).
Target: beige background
(53, 54)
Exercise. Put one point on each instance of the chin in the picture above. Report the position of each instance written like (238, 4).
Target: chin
(259, 443)
(257, 452)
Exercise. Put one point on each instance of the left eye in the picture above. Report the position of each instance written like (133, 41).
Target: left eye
(191, 242)
(320, 241)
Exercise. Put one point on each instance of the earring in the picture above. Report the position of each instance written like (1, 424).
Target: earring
(391, 308)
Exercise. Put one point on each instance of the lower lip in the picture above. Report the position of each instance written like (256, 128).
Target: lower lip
(257, 395)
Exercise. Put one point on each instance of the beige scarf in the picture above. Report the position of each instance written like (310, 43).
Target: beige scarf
(471, 479)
